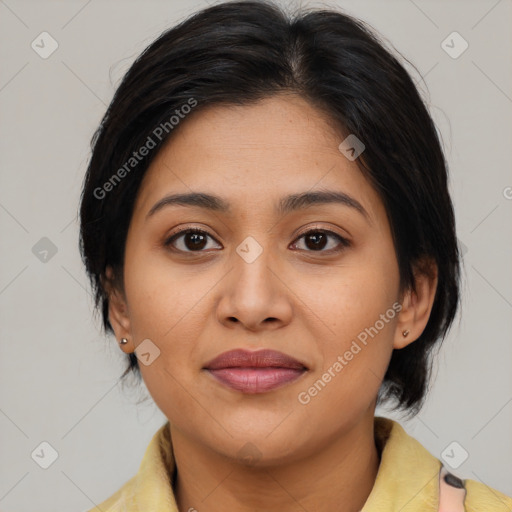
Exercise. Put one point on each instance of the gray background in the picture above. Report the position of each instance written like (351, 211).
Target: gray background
(59, 376)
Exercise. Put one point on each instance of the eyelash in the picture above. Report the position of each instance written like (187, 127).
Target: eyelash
(343, 242)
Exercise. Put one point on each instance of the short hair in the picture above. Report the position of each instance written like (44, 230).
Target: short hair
(237, 53)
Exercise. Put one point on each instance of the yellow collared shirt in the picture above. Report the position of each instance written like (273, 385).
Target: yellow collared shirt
(407, 479)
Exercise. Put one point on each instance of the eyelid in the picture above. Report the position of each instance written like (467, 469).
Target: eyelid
(190, 227)
(320, 228)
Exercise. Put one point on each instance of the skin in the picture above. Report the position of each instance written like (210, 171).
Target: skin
(310, 304)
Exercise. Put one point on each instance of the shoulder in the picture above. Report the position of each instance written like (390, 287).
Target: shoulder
(407, 466)
(482, 497)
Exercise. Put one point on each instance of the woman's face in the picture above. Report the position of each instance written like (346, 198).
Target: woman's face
(329, 299)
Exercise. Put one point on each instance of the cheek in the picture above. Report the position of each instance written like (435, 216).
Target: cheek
(358, 310)
(164, 298)
(165, 307)
(353, 363)
(351, 296)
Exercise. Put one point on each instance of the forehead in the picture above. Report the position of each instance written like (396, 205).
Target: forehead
(255, 154)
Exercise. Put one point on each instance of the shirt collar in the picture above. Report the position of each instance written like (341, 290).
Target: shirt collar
(407, 478)
(153, 483)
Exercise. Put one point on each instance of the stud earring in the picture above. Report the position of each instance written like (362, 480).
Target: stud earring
(405, 333)
(123, 341)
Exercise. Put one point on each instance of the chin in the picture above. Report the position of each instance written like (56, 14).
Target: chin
(261, 447)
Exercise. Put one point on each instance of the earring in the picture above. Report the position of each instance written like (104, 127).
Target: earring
(405, 333)
(123, 341)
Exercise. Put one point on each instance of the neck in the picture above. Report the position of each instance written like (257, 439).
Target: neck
(338, 476)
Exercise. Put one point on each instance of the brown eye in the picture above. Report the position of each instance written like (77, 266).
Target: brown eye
(189, 240)
(316, 240)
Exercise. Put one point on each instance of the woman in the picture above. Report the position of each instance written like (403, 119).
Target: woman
(267, 227)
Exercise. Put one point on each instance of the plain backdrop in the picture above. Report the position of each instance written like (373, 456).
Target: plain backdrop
(59, 376)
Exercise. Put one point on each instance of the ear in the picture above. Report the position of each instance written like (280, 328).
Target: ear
(118, 313)
(417, 305)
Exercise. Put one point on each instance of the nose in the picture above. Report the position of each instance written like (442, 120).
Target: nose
(254, 295)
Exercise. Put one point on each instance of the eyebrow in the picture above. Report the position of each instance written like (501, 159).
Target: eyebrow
(287, 204)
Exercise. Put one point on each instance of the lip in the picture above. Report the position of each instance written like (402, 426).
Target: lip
(255, 371)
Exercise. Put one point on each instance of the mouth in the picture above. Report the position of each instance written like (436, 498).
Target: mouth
(255, 371)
